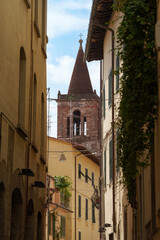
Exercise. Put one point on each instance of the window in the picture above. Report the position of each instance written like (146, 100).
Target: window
(110, 89)
(44, 13)
(34, 107)
(79, 170)
(86, 215)
(110, 161)
(68, 126)
(105, 178)
(93, 213)
(36, 18)
(76, 123)
(42, 125)
(85, 126)
(117, 134)
(125, 223)
(117, 73)
(62, 226)
(104, 104)
(22, 87)
(92, 179)
(79, 206)
(79, 235)
(54, 224)
(111, 236)
(86, 175)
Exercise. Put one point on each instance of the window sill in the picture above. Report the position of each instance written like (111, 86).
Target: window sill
(37, 29)
(35, 148)
(42, 159)
(44, 51)
(27, 4)
(22, 132)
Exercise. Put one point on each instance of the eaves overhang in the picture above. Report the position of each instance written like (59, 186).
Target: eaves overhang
(100, 16)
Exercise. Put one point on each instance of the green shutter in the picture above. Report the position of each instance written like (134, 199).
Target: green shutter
(62, 226)
(53, 225)
(117, 151)
(79, 206)
(86, 209)
(104, 106)
(117, 73)
(110, 89)
(110, 161)
(105, 178)
(49, 223)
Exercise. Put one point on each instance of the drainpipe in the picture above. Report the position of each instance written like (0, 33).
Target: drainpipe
(113, 135)
(76, 193)
(101, 223)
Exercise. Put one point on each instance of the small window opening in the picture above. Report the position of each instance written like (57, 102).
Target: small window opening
(68, 126)
(85, 126)
(76, 123)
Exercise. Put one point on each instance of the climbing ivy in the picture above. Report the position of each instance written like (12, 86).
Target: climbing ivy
(138, 91)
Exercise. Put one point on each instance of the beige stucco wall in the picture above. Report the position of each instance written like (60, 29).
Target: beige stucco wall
(16, 152)
(120, 195)
(88, 229)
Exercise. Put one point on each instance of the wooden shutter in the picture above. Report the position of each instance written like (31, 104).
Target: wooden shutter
(117, 73)
(104, 105)
(62, 226)
(86, 209)
(110, 161)
(110, 89)
(105, 178)
(79, 206)
(93, 213)
(53, 225)
(79, 170)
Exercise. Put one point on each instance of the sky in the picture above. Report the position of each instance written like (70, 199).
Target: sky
(66, 20)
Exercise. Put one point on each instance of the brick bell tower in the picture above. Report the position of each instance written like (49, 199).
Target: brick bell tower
(78, 110)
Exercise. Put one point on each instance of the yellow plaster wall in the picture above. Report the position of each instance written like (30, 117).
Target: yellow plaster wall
(88, 229)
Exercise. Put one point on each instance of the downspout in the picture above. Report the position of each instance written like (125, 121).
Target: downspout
(113, 135)
(76, 194)
(101, 159)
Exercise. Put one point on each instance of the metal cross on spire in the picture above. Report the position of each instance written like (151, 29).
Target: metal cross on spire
(80, 35)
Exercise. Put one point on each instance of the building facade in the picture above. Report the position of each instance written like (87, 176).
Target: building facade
(82, 167)
(78, 110)
(22, 119)
(116, 222)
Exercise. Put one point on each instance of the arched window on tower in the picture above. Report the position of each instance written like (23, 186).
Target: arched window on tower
(76, 123)
(85, 126)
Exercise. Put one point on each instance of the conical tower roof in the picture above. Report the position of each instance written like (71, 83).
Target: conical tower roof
(80, 81)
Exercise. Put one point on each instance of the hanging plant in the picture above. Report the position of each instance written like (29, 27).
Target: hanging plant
(138, 91)
(64, 185)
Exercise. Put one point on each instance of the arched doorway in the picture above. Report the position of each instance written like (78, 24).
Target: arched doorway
(2, 209)
(29, 226)
(16, 215)
(39, 226)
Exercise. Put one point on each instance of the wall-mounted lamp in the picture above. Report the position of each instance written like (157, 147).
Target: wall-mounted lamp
(27, 172)
(39, 184)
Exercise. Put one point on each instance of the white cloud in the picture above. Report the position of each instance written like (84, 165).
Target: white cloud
(60, 72)
(94, 71)
(67, 16)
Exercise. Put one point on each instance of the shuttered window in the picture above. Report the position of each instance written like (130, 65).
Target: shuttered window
(117, 134)
(105, 178)
(117, 73)
(110, 89)
(53, 225)
(79, 170)
(79, 235)
(79, 206)
(62, 226)
(93, 213)
(110, 161)
(104, 105)
(86, 175)
(49, 223)
(86, 217)
(92, 179)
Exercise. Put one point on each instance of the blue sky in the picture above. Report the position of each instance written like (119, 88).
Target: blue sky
(66, 20)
